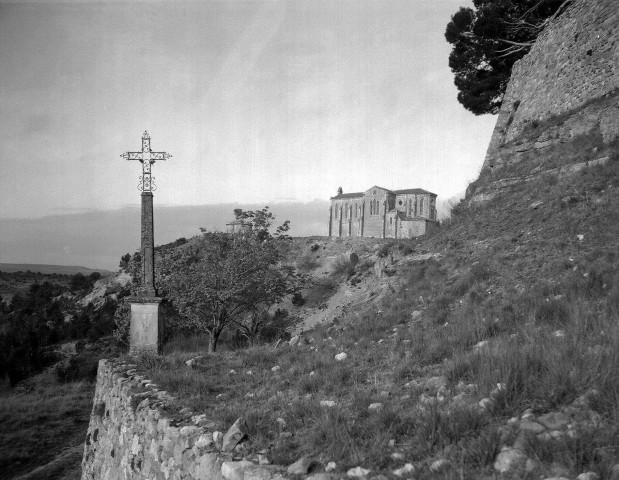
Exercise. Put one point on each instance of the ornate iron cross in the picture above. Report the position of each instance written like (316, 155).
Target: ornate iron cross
(146, 158)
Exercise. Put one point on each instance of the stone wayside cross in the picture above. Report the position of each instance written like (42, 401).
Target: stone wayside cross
(146, 330)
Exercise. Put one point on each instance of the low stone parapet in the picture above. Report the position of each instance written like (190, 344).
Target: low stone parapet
(137, 433)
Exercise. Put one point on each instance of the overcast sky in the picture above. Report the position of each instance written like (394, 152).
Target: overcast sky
(258, 102)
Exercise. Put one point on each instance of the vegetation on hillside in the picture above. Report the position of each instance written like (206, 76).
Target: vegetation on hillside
(34, 323)
(514, 319)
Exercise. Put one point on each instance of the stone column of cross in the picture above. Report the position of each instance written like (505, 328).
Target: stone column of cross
(146, 318)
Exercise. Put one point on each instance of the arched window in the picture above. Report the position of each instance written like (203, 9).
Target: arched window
(421, 209)
(335, 208)
(345, 210)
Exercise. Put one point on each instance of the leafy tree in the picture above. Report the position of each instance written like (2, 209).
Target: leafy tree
(124, 260)
(260, 222)
(488, 40)
(223, 278)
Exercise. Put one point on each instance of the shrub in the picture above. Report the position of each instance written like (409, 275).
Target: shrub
(297, 299)
(343, 267)
(307, 263)
(79, 367)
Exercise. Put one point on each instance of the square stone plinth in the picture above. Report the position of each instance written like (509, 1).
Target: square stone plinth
(146, 330)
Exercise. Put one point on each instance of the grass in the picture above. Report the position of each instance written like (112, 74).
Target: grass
(539, 286)
(44, 425)
(540, 371)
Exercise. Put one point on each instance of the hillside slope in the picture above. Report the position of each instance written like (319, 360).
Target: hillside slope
(490, 347)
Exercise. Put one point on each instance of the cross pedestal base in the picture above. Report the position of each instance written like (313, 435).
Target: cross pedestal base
(146, 330)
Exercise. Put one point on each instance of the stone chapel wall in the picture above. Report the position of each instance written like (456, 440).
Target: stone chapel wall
(574, 60)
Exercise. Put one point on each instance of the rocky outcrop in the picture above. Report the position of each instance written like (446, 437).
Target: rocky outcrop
(574, 60)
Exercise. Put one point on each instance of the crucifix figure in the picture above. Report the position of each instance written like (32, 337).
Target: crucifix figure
(146, 318)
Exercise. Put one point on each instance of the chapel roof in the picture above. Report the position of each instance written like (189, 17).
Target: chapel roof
(347, 195)
(418, 191)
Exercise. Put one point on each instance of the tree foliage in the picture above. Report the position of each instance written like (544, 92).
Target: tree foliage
(488, 40)
(223, 278)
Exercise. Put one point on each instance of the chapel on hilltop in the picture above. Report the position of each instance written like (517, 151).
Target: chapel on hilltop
(382, 213)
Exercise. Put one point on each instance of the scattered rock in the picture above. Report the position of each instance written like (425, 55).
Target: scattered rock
(529, 426)
(527, 414)
(294, 341)
(218, 438)
(188, 430)
(439, 465)
(406, 469)
(486, 403)
(357, 472)
(375, 407)
(301, 466)
(192, 361)
(327, 403)
(416, 314)
(554, 420)
(588, 476)
(481, 346)
(276, 368)
(558, 333)
(397, 456)
(534, 205)
(234, 435)
(234, 470)
(425, 399)
(509, 459)
(330, 467)
(434, 383)
(204, 441)
(580, 237)
(341, 356)
(263, 459)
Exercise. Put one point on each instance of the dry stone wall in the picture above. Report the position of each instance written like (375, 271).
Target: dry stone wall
(574, 60)
(136, 433)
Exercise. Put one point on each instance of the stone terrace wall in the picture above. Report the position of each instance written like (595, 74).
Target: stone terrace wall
(135, 433)
(574, 60)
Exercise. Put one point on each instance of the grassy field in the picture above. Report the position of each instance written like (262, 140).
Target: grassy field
(44, 425)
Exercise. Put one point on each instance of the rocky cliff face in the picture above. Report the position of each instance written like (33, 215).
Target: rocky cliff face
(574, 62)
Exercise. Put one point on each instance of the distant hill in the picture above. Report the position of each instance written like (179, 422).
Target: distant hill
(49, 269)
